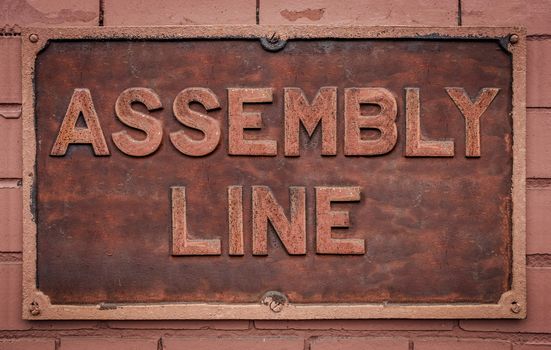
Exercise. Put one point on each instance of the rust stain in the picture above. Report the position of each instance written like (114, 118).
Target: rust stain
(311, 14)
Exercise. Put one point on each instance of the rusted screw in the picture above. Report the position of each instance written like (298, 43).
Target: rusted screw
(276, 306)
(33, 38)
(515, 307)
(274, 38)
(274, 300)
(513, 39)
(34, 309)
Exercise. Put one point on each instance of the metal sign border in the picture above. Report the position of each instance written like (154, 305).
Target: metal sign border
(512, 304)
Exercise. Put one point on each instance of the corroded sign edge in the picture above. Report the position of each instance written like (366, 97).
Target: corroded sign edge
(512, 304)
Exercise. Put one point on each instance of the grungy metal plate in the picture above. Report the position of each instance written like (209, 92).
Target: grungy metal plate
(201, 172)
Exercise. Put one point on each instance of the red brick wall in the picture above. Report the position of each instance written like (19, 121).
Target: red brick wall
(534, 333)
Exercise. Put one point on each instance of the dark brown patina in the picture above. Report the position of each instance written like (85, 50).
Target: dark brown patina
(436, 229)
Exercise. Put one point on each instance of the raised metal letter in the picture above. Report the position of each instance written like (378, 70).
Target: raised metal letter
(152, 127)
(291, 233)
(472, 111)
(326, 219)
(323, 109)
(81, 103)
(238, 121)
(354, 121)
(181, 243)
(210, 127)
(415, 145)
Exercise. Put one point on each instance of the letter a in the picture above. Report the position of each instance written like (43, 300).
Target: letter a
(81, 103)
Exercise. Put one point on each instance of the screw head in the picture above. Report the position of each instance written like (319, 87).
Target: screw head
(513, 39)
(274, 38)
(275, 301)
(33, 38)
(34, 309)
(515, 307)
(276, 306)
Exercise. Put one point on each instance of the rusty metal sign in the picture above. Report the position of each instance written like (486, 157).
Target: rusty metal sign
(253, 172)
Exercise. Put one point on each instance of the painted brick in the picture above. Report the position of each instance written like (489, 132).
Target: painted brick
(546, 346)
(533, 14)
(539, 304)
(115, 343)
(538, 73)
(10, 98)
(538, 220)
(538, 143)
(10, 148)
(179, 12)
(371, 12)
(221, 325)
(360, 344)
(357, 325)
(27, 344)
(50, 12)
(10, 220)
(252, 343)
(10, 70)
(10, 305)
(10, 297)
(460, 344)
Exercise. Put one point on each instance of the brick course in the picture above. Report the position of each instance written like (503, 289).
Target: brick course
(10, 106)
(538, 144)
(533, 14)
(220, 325)
(10, 220)
(538, 221)
(27, 344)
(372, 12)
(113, 343)
(10, 148)
(253, 343)
(538, 73)
(460, 344)
(356, 325)
(357, 343)
(10, 68)
(542, 346)
(10, 297)
(177, 12)
(49, 12)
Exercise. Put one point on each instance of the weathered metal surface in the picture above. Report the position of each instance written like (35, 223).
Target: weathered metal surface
(398, 188)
